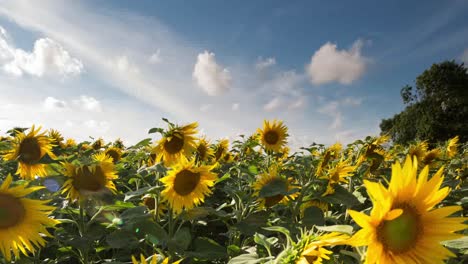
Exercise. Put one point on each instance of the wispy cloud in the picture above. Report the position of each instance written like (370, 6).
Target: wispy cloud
(265, 63)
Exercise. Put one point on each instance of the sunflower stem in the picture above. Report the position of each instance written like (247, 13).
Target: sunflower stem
(82, 231)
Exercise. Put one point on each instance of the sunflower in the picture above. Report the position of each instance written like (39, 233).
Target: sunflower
(273, 135)
(89, 179)
(220, 149)
(29, 150)
(336, 174)
(150, 203)
(70, 142)
(430, 157)
(98, 144)
(330, 153)
(114, 152)
(177, 143)
(56, 137)
(186, 185)
(418, 150)
(374, 151)
(403, 226)
(315, 251)
(23, 221)
(203, 150)
(273, 179)
(154, 260)
(452, 147)
(316, 203)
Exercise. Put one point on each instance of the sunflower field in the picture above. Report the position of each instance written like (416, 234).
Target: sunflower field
(178, 197)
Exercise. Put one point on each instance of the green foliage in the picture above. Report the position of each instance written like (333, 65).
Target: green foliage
(436, 108)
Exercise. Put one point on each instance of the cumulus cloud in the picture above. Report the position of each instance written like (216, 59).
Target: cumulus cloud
(88, 103)
(155, 58)
(205, 107)
(47, 58)
(265, 63)
(51, 103)
(210, 76)
(235, 107)
(329, 64)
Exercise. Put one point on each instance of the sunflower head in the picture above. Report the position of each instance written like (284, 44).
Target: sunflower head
(150, 202)
(98, 144)
(114, 153)
(85, 180)
(118, 143)
(203, 150)
(187, 185)
(271, 180)
(176, 144)
(431, 157)
(154, 260)
(418, 150)
(69, 143)
(23, 221)
(220, 149)
(56, 137)
(452, 147)
(404, 226)
(28, 150)
(273, 135)
(330, 153)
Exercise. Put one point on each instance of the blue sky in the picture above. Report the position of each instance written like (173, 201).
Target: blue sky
(330, 69)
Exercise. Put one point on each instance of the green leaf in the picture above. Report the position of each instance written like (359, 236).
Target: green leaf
(251, 258)
(155, 233)
(155, 130)
(181, 240)
(253, 169)
(341, 196)
(460, 243)
(275, 187)
(145, 142)
(122, 239)
(313, 216)
(266, 242)
(347, 229)
(208, 249)
(280, 229)
(139, 192)
(226, 176)
(252, 223)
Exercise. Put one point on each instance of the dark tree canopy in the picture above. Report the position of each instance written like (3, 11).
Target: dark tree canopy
(436, 108)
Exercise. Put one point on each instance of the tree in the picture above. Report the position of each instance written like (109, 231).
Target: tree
(436, 108)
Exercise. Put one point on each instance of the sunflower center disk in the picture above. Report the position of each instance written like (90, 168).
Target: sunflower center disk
(30, 151)
(271, 137)
(186, 181)
(89, 180)
(272, 200)
(202, 151)
(174, 145)
(113, 154)
(11, 211)
(400, 234)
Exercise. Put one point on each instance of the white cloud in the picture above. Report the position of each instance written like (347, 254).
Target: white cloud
(210, 76)
(235, 107)
(464, 57)
(265, 63)
(123, 64)
(273, 104)
(332, 109)
(98, 126)
(297, 104)
(351, 101)
(88, 103)
(329, 64)
(47, 58)
(155, 58)
(51, 103)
